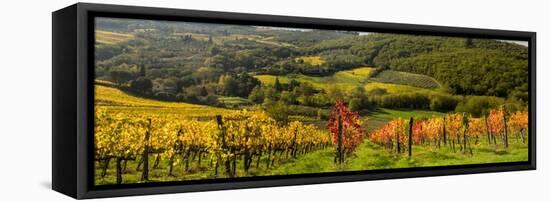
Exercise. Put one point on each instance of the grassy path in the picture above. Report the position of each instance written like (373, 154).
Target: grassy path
(368, 156)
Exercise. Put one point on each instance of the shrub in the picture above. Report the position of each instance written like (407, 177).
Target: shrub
(408, 100)
(478, 105)
(443, 103)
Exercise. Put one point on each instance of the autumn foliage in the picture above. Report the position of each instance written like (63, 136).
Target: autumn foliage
(351, 133)
(454, 129)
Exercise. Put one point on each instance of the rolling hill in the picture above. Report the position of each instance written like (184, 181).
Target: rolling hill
(466, 66)
(110, 38)
(405, 78)
(346, 79)
(391, 81)
(114, 99)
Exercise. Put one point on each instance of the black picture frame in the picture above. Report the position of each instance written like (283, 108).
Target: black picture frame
(72, 99)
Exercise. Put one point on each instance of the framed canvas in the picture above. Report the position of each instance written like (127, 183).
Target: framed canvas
(155, 100)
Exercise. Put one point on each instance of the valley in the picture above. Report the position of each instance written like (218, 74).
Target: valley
(178, 101)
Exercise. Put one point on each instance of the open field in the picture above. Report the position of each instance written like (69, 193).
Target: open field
(115, 97)
(359, 74)
(350, 79)
(234, 101)
(110, 38)
(311, 60)
(397, 88)
(347, 79)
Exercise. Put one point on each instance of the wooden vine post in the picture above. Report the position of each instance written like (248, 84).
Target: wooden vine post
(178, 147)
(466, 143)
(487, 129)
(145, 156)
(118, 170)
(293, 144)
(227, 162)
(397, 141)
(504, 116)
(410, 136)
(444, 132)
(105, 167)
(340, 154)
(247, 159)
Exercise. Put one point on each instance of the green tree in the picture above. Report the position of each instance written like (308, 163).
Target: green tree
(443, 102)
(355, 104)
(306, 89)
(289, 97)
(336, 92)
(320, 100)
(293, 84)
(277, 110)
(142, 70)
(230, 86)
(121, 76)
(245, 84)
(256, 95)
(142, 85)
(478, 106)
(203, 91)
(270, 94)
(277, 85)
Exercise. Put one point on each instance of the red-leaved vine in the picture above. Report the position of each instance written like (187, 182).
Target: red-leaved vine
(351, 133)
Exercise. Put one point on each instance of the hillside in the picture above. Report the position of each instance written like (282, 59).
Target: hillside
(111, 38)
(457, 62)
(221, 65)
(114, 99)
(298, 101)
(344, 79)
(404, 78)
(392, 82)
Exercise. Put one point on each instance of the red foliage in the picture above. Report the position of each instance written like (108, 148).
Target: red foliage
(352, 134)
(419, 131)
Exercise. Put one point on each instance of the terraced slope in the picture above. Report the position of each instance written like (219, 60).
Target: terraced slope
(404, 78)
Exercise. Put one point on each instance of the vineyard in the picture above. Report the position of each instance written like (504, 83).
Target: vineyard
(404, 78)
(118, 101)
(243, 137)
(148, 147)
(458, 131)
(106, 37)
(187, 101)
